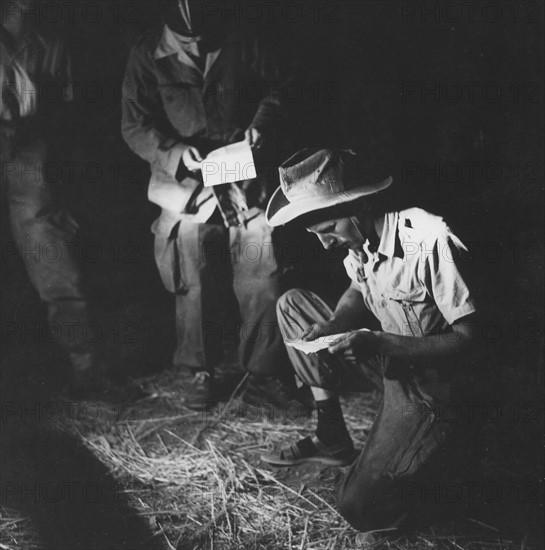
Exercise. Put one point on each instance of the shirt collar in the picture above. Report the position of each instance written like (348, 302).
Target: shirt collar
(172, 43)
(389, 238)
(389, 244)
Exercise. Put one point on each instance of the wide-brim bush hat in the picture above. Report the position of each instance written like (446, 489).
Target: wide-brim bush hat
(315, 179)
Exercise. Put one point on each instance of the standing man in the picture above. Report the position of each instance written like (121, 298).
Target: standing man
(404, 269)
(31, 125)
(190, 87)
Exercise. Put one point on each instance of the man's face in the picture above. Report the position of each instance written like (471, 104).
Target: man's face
(339, 233)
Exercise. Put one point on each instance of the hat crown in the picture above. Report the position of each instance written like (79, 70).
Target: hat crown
(312, 173)
(315, 179)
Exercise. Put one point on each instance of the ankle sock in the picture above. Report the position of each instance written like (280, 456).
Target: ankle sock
(331, 426)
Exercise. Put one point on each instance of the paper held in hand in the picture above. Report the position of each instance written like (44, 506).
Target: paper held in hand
(228, 164)
(323, 342)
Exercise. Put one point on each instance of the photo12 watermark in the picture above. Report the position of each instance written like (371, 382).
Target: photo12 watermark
(429, 92)
(449, 12)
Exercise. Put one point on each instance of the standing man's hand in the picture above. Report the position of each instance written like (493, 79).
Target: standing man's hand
(253, 137)
(192, 159)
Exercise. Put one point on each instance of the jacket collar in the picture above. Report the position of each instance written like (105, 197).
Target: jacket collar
(172, 43)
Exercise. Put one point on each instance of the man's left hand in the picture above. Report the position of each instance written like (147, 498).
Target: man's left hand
(253, 137)
(357, 346)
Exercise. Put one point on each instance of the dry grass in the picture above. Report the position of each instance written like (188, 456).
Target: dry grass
(198, 480)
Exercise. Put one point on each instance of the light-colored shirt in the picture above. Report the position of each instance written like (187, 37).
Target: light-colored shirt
(412, 282)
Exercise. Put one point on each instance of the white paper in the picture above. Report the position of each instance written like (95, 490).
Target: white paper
(323, 342)
(228, 164)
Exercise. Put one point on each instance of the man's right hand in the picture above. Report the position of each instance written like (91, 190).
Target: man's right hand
(324, 328)
(192, 159)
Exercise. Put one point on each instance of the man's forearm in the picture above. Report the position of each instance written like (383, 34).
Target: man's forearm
(350, 311)
(454, 342)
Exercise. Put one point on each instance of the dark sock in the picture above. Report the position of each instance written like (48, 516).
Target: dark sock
(331, 426)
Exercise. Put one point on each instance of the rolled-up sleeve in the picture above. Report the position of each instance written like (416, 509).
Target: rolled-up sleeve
(444, 280)
(144, 125)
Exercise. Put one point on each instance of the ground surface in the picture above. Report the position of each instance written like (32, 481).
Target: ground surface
(197, 480)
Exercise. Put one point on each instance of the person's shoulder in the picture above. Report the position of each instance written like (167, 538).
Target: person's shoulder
(423, 224)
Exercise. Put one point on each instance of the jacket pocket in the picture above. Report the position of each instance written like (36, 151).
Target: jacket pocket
(174, 94)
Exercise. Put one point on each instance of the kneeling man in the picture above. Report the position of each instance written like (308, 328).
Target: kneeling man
(404, 269)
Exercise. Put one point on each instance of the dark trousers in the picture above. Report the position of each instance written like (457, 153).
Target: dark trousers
(42, 231)
(204, 265)
(409, 448)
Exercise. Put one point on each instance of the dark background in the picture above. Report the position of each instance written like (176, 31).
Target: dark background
(365, 75)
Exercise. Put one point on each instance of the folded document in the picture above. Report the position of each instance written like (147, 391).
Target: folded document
(323, 342)
(228, 164)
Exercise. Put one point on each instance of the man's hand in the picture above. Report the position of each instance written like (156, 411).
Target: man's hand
(192, 159)
(357, 346)
(325, 328)
(253, 137)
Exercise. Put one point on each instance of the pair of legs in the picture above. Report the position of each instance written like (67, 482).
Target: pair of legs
(42, 232)
(204, 265)
(407, 446)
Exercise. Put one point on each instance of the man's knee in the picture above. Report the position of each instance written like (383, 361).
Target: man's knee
(292, 300)
(288, 308)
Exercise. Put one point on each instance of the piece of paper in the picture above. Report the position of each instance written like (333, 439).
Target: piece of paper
(323, 342)
(228, 164)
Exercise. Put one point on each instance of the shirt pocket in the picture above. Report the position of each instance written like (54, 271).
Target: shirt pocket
(409, 304)
(184, 108)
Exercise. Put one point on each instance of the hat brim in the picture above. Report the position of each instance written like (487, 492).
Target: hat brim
(281, 211)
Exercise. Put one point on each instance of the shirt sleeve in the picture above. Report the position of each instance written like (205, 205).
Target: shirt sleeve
(444, 280)
(144, 125)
